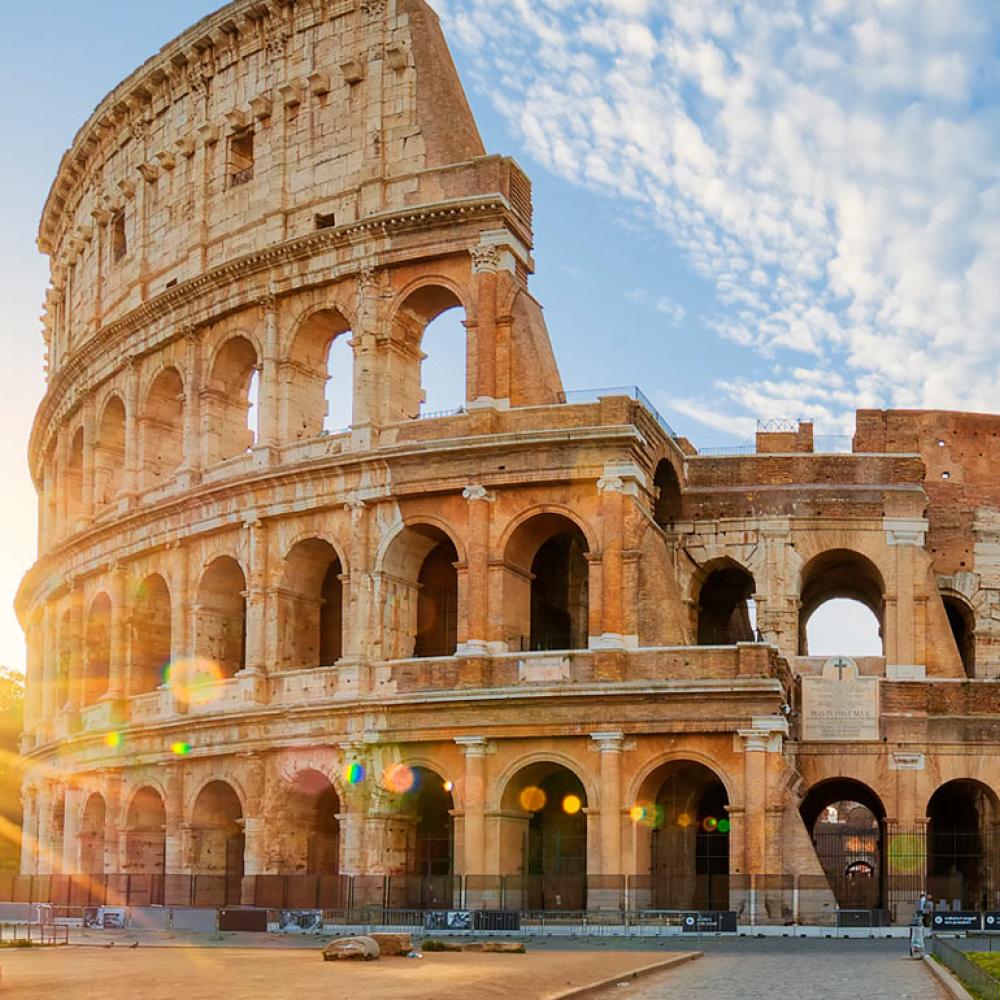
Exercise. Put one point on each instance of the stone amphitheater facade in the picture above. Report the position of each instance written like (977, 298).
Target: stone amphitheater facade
(506, 646)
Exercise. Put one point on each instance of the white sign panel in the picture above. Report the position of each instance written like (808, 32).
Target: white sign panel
(839, 705)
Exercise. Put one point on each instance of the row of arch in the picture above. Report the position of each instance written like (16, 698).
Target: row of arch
(313, 390)
(419, 570)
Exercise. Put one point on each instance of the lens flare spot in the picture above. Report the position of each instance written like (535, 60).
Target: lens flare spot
(532, 799)
(684, 820)
(354, 773)
(723, 826)
(637, 813)
(572, 805)
(398, 778)
(709, 824)
(113, 740)
(449, 786)
(195, 681)
(180, 748)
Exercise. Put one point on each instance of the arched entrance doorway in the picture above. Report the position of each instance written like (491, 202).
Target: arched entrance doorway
(545, 838)
(725, 606)
(217, 836)
(145, 834)
(92, 836)
(682, 837)
(962, 856)
(846, 821)
(428, 805)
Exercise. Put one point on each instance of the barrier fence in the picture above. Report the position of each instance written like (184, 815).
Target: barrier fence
(985, 985)
(757, 899)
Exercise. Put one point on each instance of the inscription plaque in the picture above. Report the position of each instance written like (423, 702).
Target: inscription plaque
(839, 705)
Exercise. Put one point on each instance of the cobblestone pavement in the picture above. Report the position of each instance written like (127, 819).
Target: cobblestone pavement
(820, 970)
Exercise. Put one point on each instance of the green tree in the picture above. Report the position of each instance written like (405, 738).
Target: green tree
(11, 721)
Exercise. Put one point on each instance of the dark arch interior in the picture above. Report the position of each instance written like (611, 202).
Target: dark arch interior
(437, 602)
(151, 635)
(846, 821)
(145, 834)
(689, 857)
(222, 616)
(724, 609)
(667, 508)
(559, 592)
(98, 649)
(963, 625)
(961, 849)
(217, 832)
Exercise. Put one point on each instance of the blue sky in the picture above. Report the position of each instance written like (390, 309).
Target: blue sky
(780, 208)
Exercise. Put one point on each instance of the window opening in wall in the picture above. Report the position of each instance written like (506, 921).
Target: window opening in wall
(241, 158)
(339, 386)
(326, 221)
(727, 613)
(842, 627)
(253, 409)
(119, 244)
(963, 629)
(442, 371)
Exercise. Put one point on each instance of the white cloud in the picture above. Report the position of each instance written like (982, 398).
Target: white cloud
(830, 165)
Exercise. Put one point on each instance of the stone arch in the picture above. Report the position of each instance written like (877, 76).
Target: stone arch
(307, 838)
(552, 757)
(962, 621)
(161, 428)
(227, 399)
(97, 649)
(667, 502)
(221, 617)
(839, 574)
(68, 640)
(306, 373)
(145, 832)
(419, 583)
(846, 820)
(93, 826)
(641, 786)
(74, 478)
(415, 308)
(311, 606)
(109, 453)
(152, 635)
(682, 834)
(218, 842)
(723, 591)
(546, 583)
(543, 835)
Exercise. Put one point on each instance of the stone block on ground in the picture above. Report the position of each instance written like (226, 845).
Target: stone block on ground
(357, 949)
(392, 945)
(495, 947)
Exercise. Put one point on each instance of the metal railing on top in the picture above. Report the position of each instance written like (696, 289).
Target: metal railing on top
(630, 391)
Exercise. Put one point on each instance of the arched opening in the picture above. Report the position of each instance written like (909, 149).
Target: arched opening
(145, 834)
(310, 606)
(427, 806)
(217, 838)
(230, 405)
(92, 836)
(726, 613)
(74, 479)
(57, 833)
(963, 629)
(221, 623)
(318, 391)
(151, 635)
(667, 491)
(420, 599)
(161, 430)
(546, 585)
(109, 455)
(544, 836)
(962, 845)
(308, 840)
(841, 579)
(681, 823)
(846, 821)
(428, 363)
(97, 648)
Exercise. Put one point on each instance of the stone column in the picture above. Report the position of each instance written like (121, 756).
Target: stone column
(181, 638)
(254, 851)
(120, 613)
(192, 465)
(357, 596)
(366, 404)
(905, 536)
(474, 803)
(174, 826)
(482, 372)
(29, 828)
(130, 480)
(268, 394)
(114, 821)
(89, 461)
(77, 660)
(44, 857)
(474, 642)
(50, 665)
(75, 799)
(34, 671)
(619, 480)
(754, 799)
(256, 596)
(610, 746)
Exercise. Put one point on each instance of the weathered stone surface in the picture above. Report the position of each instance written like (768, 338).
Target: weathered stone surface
(497, 947)
(391, 945)
(351, 949)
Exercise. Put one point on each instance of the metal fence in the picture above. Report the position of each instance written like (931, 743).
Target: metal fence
(969, 972)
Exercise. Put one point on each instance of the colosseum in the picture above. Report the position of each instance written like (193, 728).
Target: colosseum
(535, 653)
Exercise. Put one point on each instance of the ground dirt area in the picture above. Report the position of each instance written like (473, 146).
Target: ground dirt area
(80, 973)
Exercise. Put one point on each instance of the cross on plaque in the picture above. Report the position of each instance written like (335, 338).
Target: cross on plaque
(840, 665)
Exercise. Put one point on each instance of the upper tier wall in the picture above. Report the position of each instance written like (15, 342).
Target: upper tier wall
(260, 124)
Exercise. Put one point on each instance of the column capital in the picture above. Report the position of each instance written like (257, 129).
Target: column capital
(477, 492)
(608, 742)
(474, 746)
